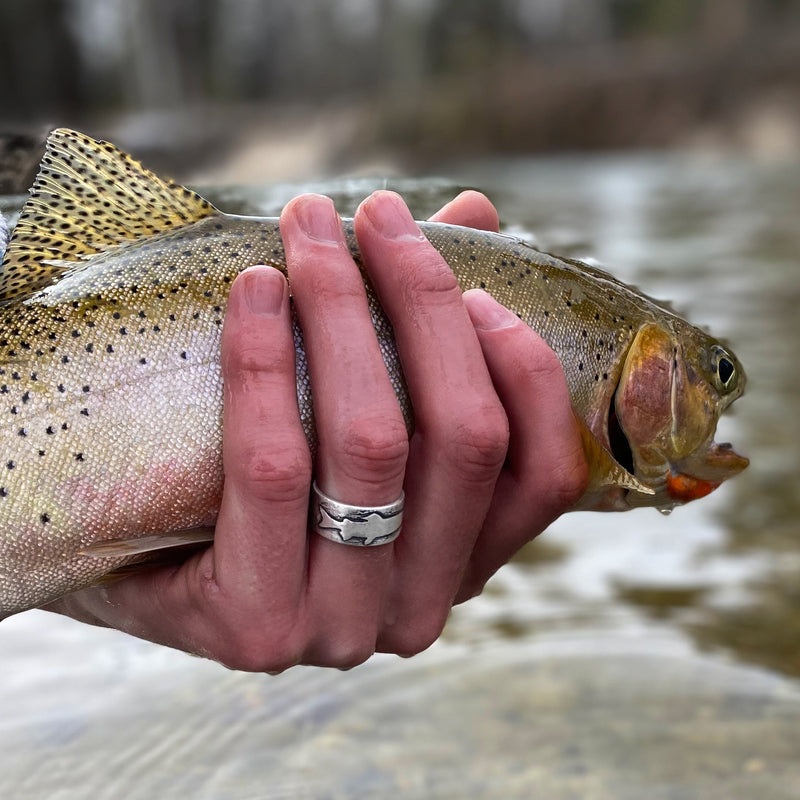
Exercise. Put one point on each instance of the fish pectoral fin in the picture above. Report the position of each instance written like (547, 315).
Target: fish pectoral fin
(122, 548)
(604, 469)
(88, 197)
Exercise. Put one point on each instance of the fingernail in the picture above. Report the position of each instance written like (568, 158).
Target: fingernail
(486, 313)
(318, 218)
(263, 290)
(390, 216)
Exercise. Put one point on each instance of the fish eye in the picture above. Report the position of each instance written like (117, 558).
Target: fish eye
(724, 369)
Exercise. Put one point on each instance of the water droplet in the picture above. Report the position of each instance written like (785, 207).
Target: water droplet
(665, 510)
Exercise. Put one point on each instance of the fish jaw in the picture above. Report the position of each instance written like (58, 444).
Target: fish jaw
(717, 463)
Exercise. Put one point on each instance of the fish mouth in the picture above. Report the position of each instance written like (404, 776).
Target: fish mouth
(719, 462)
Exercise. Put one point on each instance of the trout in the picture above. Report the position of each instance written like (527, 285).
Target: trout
(112, 297)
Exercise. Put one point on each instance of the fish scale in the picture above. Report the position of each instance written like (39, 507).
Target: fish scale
(111, 386)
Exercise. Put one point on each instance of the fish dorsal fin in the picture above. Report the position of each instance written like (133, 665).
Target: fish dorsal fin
(88, 197)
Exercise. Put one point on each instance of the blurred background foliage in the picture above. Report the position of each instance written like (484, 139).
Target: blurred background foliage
(265, 89)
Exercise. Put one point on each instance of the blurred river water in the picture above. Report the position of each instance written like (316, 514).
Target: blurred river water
(619, 656)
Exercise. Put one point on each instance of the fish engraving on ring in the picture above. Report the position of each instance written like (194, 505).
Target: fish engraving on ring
(356, 525)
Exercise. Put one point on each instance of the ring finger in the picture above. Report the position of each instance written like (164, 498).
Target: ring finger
(363, 444)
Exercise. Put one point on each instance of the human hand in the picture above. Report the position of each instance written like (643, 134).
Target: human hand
(494, 456)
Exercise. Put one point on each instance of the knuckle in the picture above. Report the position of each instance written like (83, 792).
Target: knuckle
(428, 274)
(412, 639)
(281, 472)
(258, 656)
(351, 655)
(244, 647)
(569, 476)
(477, 446)
(542, 365)
(471, 589)
(328, 280)
(374, 449)
(472, 584)
(250, 361)
(250, 353)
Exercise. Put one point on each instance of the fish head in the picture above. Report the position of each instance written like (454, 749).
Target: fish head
(675, 383)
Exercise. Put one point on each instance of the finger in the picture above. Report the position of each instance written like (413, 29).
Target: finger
(460, 429)
(363, 443)
(470, 209)
(265, 453)
(546, 470)
(238, 601)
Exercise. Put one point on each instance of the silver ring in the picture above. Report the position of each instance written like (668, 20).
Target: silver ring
(355, 525)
